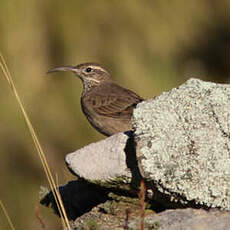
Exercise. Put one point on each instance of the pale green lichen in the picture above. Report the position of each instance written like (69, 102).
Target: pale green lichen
(89, 225)
(184, 142)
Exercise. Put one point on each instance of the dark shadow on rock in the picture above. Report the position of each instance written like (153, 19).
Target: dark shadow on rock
(131, 160)
(78, 198)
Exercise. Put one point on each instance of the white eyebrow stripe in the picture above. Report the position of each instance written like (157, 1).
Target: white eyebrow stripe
(97, 67)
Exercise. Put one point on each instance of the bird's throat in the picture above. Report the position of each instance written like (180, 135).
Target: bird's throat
(89, 85)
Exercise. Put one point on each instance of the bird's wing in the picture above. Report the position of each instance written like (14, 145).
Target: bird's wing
(113, 101)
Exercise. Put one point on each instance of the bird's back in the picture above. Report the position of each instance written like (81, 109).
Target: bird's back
(109, 107)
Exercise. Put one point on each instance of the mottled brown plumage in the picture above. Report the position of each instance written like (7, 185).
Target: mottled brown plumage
(107, 106)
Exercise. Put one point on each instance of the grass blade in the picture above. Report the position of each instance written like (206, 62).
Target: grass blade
(7, 215)
(53, 186)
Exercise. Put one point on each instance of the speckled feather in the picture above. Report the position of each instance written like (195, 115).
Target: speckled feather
(112, 100)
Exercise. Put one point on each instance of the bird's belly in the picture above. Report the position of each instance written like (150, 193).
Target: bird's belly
(109, 125)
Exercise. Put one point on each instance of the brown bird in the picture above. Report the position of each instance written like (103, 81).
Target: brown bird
(107, 106)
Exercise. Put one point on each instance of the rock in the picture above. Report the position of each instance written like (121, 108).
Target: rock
(180, 147)
(109, 163)
(183, 149)
(189, 219)
(113, 214)
(183, 144)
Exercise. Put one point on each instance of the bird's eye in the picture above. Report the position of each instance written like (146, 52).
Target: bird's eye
(88, 69)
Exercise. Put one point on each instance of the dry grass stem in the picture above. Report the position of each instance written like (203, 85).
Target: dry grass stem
(38, 216)
(7, 215)
(53, 186)
(141, 196)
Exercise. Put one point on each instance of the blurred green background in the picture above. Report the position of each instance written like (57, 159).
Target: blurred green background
(149, 46)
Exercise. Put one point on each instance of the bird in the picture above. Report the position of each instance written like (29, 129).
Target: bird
(107, 105)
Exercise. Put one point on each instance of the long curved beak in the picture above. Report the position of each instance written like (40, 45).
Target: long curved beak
(62, 68)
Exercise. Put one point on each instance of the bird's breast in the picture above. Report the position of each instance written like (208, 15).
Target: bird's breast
(105, 124)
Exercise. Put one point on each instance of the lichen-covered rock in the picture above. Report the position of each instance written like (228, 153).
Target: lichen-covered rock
(183, 143)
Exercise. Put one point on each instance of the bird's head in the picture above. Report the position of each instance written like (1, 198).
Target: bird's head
(89, 73)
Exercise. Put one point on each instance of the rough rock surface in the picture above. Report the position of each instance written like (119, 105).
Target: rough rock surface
(186, 219)
(109, 163)
(183, 143)
(104, 160)
(89, 207)
(125, 216)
